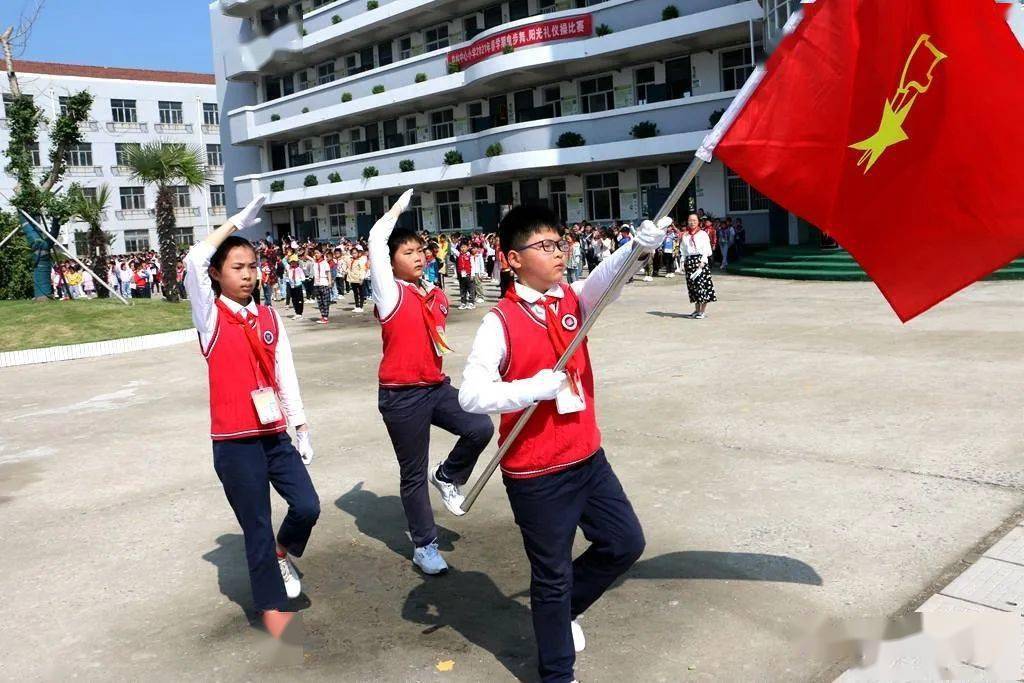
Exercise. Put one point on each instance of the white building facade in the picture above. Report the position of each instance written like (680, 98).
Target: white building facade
(592, 107)
(130, 107)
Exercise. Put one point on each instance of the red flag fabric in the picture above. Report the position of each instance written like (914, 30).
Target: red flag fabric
(896, 126)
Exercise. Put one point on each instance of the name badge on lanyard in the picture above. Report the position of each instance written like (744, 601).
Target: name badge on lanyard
(567, 400)
(268, 408)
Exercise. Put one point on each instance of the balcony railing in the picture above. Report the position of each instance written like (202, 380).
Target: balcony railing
(85, 126)
(173, 127)
(217, 210)
(121, 171)
(183, 211)
(84, 170)
(127, 127)
(131, 214)
(211, 128)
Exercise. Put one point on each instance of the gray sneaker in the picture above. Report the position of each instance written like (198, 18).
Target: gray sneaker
(450, 493)
(429, 560)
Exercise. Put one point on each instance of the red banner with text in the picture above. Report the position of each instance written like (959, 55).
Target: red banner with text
(578, 26)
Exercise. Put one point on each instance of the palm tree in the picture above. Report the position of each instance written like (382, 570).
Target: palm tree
(91, 210)
(167, 165)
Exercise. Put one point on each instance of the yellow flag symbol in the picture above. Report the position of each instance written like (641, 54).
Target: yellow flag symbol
(896, 110)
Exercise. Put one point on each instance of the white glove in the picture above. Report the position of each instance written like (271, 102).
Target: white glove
(543, 386)
(249, 216)
(651, 236)
(390, 217)
(305, 447)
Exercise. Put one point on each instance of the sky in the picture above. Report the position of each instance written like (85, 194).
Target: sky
(172, 35)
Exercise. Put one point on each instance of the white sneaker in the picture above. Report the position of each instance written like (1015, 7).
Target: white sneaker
(429, 560)
(671, 275)
(471, 306)
(462, 307)
(298, 316)
(450, 493)
(480, 300)
(647, 278)
(579, 641)
(292, 585)
(357, 310)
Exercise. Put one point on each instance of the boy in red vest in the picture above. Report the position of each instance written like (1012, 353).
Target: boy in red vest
(414, 393)
(556, 475)
(254, 394)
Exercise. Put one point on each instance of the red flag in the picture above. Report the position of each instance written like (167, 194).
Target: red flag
(897, 126)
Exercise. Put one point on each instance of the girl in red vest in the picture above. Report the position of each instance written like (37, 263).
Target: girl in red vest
(556, 475)
(414, 393)
(254, 394)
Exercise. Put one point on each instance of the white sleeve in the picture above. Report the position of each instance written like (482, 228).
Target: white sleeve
(591, 289)
(482, 390)
(287, 380)
(201, 296)
(704, 246)
(385, 289)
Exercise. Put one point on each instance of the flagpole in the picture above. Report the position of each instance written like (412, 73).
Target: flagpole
(624, 272)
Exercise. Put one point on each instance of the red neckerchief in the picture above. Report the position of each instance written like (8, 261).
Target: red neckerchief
(560, 338)
(260, 352)
(430, 317)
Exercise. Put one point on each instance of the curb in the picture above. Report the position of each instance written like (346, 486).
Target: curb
(93, 349)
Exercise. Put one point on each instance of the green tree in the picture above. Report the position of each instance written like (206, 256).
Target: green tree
(166, 165)
(38, 197)
(15, 261)
(91, 210)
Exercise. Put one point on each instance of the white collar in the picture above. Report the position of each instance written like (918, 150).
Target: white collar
(530, 295)
(427, 286)
(235, 307)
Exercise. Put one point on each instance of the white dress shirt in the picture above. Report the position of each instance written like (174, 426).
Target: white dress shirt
(482, 390)
(322, 274)
(204, 317)
(698, 244)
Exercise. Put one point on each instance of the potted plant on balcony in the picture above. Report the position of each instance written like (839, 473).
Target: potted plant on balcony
(670, 12)
(335, 19)
(275, 117)
(277, 186)
(507, 50)
(644, 129)
(714, 118)
(346, 97)
(420, 77)
(454, 67)
(603, 29)
(406, 165)
(493, 150)
(310, 181)
(570, 139)
(372, 4)
(334, 177)
(369, 172)
(305, 110)
(452, 156)
(378, 89)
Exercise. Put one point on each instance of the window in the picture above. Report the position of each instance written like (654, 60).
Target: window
(643, 78)
(596, 94)
(332, 146)
(602, 196)
(742, 197)
(737, 65)
(416, 211)
(183, 237)
(133, 198)
(34, 149)
(518, 9)
(182, 198)
(436, 38)
(556, 194)
(336, 219)
(211, 115)
(9, 98)
(122, 152)
(124, 111)
(410, 130)
(442, 124)
(448, 216)
(325, 73)
(545, 6)
(217, 195)
(64, 100)
(480, 201)
(213, 156)
(136, 240)
(170, 113)
(553, 98)
(80, 155)
(304, 79)
(82, 242)
(405, 47)
(352, 64)
(648, 178)
(89, 192)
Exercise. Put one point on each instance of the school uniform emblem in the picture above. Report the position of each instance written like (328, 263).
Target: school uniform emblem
(443, 308)
(570, 322)
(268, 337)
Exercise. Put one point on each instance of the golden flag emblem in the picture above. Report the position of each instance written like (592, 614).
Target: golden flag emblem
(890, 130)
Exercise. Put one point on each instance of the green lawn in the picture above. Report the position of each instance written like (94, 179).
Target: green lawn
(36, 324)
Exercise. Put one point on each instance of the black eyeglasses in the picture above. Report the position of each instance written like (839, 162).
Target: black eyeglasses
(548, 246)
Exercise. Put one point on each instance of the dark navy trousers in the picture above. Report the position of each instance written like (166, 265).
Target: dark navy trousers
(408, 414)
(548, 509)
(247, 468)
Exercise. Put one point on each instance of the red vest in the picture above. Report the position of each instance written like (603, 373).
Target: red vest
(232, 369)
(409, 358)
(549, 442)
